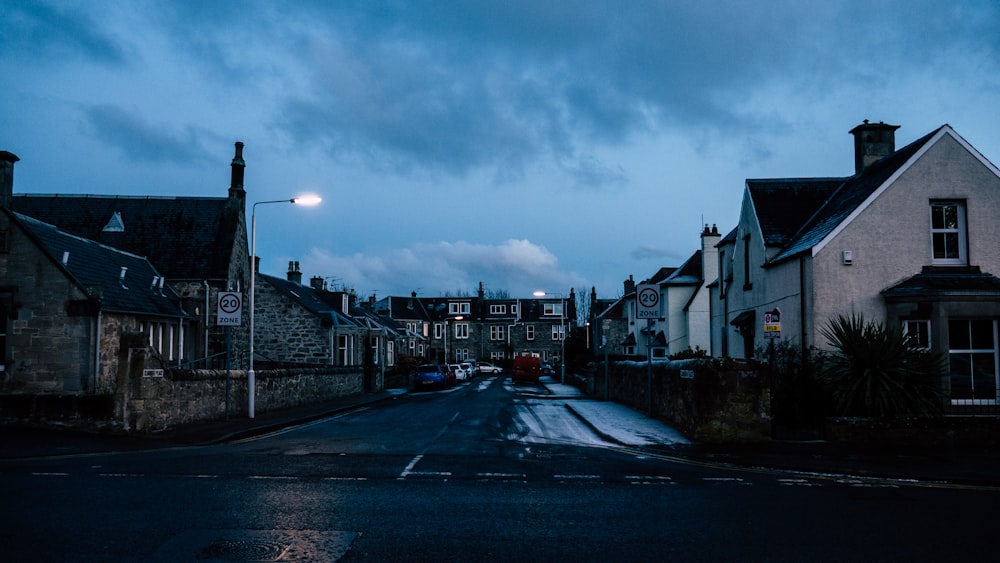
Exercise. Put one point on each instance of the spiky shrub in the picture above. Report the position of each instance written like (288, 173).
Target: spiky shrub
(879, 372)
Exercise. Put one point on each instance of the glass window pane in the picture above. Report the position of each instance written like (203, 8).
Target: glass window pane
(982, 334)
(961, 376)
(958, 335)
(984, 378)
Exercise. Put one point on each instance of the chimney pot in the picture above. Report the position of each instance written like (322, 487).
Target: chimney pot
(872, 143)
(7, 160)
(238, 165)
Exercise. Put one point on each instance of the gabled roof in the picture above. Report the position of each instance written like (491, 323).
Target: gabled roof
(688, 273)
(843, 202)
(614, 311)
(98, 270)
(783, 205)
(307, 298)
(186, 237)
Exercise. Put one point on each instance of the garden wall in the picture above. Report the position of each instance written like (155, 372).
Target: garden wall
(714, 401)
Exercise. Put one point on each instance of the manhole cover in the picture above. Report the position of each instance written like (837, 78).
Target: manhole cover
(224, 546)
(244, 550)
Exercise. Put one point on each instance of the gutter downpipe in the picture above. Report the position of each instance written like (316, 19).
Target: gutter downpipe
(97, 351)
(802, 305)
(207, 291)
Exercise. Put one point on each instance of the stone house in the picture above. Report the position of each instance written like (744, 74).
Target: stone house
(908, 240)
(294, 325)
(198, 243)
(67, 304)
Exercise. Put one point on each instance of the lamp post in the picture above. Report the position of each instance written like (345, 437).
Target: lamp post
(562, 332)
(251, 375)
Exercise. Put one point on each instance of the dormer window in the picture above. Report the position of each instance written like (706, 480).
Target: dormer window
(459, 308)
(948, 242)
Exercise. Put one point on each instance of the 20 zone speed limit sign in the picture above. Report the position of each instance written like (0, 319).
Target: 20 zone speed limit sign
(230, 309)
(648, 301)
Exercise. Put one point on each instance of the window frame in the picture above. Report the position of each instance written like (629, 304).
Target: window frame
(942, 232)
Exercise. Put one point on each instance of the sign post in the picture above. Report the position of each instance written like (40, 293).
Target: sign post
(772, 323)
(647, 306)
(229, 314)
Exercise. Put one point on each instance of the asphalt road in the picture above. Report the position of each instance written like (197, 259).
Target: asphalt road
(485, 471)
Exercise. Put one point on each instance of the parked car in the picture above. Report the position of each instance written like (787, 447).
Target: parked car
(469, 367)
(459, 371)
(432, 375)
(546, 369)
(486, 367)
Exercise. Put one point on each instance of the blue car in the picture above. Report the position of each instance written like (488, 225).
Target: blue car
(431, 375)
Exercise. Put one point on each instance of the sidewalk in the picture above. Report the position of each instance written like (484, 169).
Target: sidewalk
(615, 423)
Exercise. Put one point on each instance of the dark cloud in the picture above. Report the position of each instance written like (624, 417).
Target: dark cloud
(49, 34)
(141, 140)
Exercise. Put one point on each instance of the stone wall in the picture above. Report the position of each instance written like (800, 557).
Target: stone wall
(182, 397)
(716, 401)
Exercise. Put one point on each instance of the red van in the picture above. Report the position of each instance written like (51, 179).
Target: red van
(526, 368)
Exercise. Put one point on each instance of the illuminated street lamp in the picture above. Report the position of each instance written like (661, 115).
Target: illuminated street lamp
(302, 200)
(562, 331)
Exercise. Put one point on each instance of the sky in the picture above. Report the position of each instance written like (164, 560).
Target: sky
(525, 145)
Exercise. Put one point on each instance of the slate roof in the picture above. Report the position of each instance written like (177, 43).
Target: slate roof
(784, 204)
(187, 237)
(307, 298)
(834, 210)
(936, 282)
(688, 273)
(97, 269)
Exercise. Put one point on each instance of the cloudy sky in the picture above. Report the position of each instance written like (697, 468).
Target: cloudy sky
(524, 144)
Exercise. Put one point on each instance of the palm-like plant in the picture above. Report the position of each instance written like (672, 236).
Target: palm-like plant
(874, 371)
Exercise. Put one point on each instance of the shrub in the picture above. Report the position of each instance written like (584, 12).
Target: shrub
(879, 372)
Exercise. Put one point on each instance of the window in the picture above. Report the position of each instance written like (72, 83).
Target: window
(496, 355)
(513, 309)
(972, 349)
(552, 309)
(461, 354)
(461, 330)
(413, 346)
(413, 327)
(558, 332)
(342, 350)
(390, 357)
(747, 283)
(948, 232)
(497, 332)
(919, 332)
(459, 308)
(438, 330)
(529, 332)
(498, 309)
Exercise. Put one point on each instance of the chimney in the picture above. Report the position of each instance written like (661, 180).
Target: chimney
(317, 283)
(629, 286)
(872, 142)
(236, 184)
(7, 160)
(294, 275)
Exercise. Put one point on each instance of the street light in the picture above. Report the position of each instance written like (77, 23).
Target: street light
(562, 332)
(302, 200)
